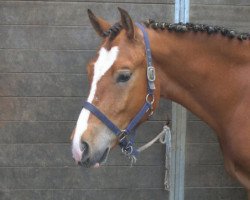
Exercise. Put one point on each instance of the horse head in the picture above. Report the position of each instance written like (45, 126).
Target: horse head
(118, 77)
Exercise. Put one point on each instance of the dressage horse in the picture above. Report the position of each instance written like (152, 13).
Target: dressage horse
(204, 68)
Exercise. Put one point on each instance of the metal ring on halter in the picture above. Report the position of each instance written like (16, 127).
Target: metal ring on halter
(127, 150)
(151, 103)
(152, 100)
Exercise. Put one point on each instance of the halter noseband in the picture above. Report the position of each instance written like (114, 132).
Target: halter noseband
(125, 143)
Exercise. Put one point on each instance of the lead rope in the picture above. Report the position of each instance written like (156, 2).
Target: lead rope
(167, 141)
(165, 138)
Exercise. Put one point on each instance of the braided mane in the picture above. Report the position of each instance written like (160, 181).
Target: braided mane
(186, 27)
(113, 31)
(182, 27)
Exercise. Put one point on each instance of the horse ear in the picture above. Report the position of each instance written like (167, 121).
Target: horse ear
(100, 25)
(127, 23)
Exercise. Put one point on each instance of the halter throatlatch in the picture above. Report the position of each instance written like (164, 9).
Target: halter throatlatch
(126, 143)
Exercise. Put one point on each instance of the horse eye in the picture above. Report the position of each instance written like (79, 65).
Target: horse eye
(123, 77)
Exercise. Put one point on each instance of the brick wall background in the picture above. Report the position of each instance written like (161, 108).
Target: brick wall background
(44, 47)
(205, 176)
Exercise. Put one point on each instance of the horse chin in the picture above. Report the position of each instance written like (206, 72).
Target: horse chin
(96, 163)
(103, 159)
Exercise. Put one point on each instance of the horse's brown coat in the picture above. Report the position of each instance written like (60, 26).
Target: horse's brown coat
(208, 74)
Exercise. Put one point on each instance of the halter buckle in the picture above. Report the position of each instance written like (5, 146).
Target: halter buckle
(151, 73)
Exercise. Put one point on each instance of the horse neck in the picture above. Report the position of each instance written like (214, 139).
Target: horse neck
(202, 72)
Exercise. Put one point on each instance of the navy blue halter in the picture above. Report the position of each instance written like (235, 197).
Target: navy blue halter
(126, 143)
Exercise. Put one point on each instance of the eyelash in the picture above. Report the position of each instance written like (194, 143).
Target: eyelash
(124, 77)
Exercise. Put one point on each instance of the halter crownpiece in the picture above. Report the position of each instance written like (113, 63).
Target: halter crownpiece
(150, 68)
(125, 143)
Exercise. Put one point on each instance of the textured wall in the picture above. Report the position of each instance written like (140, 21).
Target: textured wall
(206, 178)
(44, 46)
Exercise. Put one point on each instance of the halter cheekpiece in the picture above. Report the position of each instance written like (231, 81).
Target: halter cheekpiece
(126, 143)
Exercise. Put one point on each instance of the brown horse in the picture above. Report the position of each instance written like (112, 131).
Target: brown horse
(204, 68)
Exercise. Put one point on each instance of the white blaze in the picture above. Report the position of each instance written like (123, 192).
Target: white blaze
(105, 60)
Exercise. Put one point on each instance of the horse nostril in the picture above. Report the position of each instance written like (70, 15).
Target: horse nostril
(85, 150)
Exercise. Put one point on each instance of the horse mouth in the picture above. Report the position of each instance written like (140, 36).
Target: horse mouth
(104, 157)
(95, 164)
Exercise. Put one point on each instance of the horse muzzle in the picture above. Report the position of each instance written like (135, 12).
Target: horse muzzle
(93, 159)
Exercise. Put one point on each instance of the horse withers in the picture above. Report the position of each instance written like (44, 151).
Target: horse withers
(204, 68)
